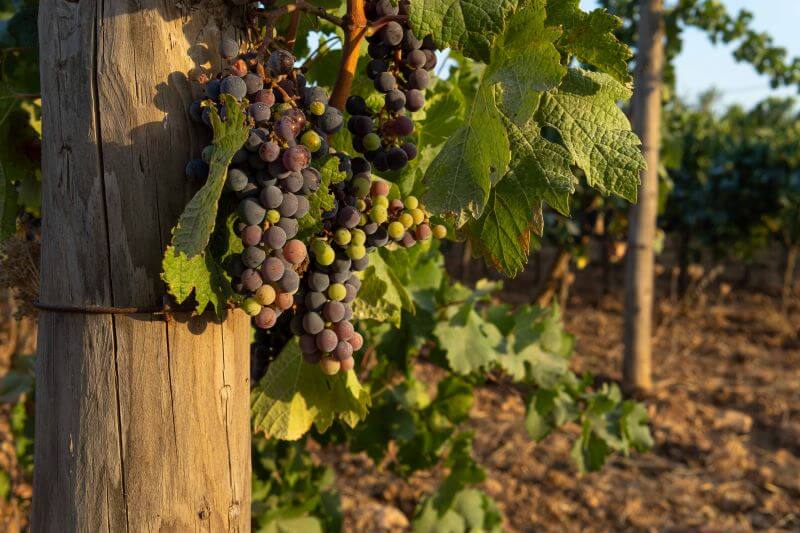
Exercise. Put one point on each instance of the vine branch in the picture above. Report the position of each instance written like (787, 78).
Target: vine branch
(354, 32)
(302, 5)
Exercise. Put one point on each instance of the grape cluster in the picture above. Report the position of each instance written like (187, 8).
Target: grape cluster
(399, 67)
(271, 174)
(362, 220)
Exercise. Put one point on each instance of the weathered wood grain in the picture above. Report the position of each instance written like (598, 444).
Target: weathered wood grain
(141, 424)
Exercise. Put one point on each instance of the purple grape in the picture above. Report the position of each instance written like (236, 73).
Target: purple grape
(333, 311)
(419, 79)
(395, 100)
(261, 113)
(315, 300)
(290, 282)
(385, 82)
(251, 211)
(313, 323)
(251, 235)
(275, 237)
(271, 197)
(308, 343)
(253, 256)
(327, 340)
(253, 82)
(344, 329)
(296, 158)
(251, 280)
(360, 125)
(272, 270)
(289, 205)
(235, 86)
(416, 59)
(269, 151)
(289, 225)
(392, 34)
(349, 217)
(343, 351)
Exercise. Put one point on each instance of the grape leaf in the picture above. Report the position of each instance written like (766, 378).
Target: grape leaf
(540, 172)
(190, 236)
(294, 395)
(201, 275)
(459, 179)
(467, 25)
(596, 131)
(590, 37)
(469, 340)
(524, 63)
(471, 510)
(321, 200)
(382, 296)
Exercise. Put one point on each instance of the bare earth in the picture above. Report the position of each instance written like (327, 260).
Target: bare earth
(725, 418)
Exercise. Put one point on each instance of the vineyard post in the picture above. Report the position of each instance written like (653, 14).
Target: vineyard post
(142, 422)
(639, 276)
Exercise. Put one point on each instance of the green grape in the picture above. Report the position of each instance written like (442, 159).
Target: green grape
(406, 220)
(356, 252)
(381, 201)
(327, 257)
(251, 307)
(361, 186)
(359, 237)
(396, 230)
(417, 214)
(337, 291)
(439, 231)
(330, 366)
(311, 140)
(361, 205)
(265, 294)
(318, 246)
(411, 202)
(317, 108)
(274, 216)
(342, 237)
(379, 214)
(371, 141)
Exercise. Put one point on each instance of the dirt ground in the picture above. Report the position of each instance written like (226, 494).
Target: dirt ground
(725, 418)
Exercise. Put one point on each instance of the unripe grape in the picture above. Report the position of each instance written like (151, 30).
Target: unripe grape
(273, 216)
(265, 295)
(311, 140)
(439, 231)
(317, 108)
(406, 220)
(381, 201)
(360, 186)
(372, 142)
(358, 237)
(356, 251)
(396, 230)
(411, 202)
(342, 237)
(418, 215)
(379, 214)
(337, 292)
(330, 366)
(325, 255)
(347, 365)
(251, 306)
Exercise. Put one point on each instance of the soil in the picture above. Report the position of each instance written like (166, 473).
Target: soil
(725, 416)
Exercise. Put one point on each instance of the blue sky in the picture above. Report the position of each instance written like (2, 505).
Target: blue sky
(702, 65)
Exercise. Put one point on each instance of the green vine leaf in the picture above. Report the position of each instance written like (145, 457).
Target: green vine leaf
(469, 340)
(466, 25)
(471, 510)
(590, 37)
(294, 395)
(382, 296)
(596, 132)
(321, 200)
(190, 236)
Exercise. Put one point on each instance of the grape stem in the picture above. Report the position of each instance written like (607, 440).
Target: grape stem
(376, 26)
(355, 31)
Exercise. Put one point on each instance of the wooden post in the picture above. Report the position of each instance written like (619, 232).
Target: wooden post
(639, 276)
(142, 424)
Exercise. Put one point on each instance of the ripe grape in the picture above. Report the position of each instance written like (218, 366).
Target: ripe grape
(271, 197)
(343, 350)
(295, 252)
(272, 269)
(266, 318)
(313, 323)
(296, 158)
(275, 237)
(392, 34)
(290, 282)
(251, 280)
(235, 86)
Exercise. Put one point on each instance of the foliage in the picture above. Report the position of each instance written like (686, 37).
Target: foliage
(743, 159)
(711, 16)
(20, 115)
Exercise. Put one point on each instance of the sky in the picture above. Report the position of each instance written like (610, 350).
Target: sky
(703, 65)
